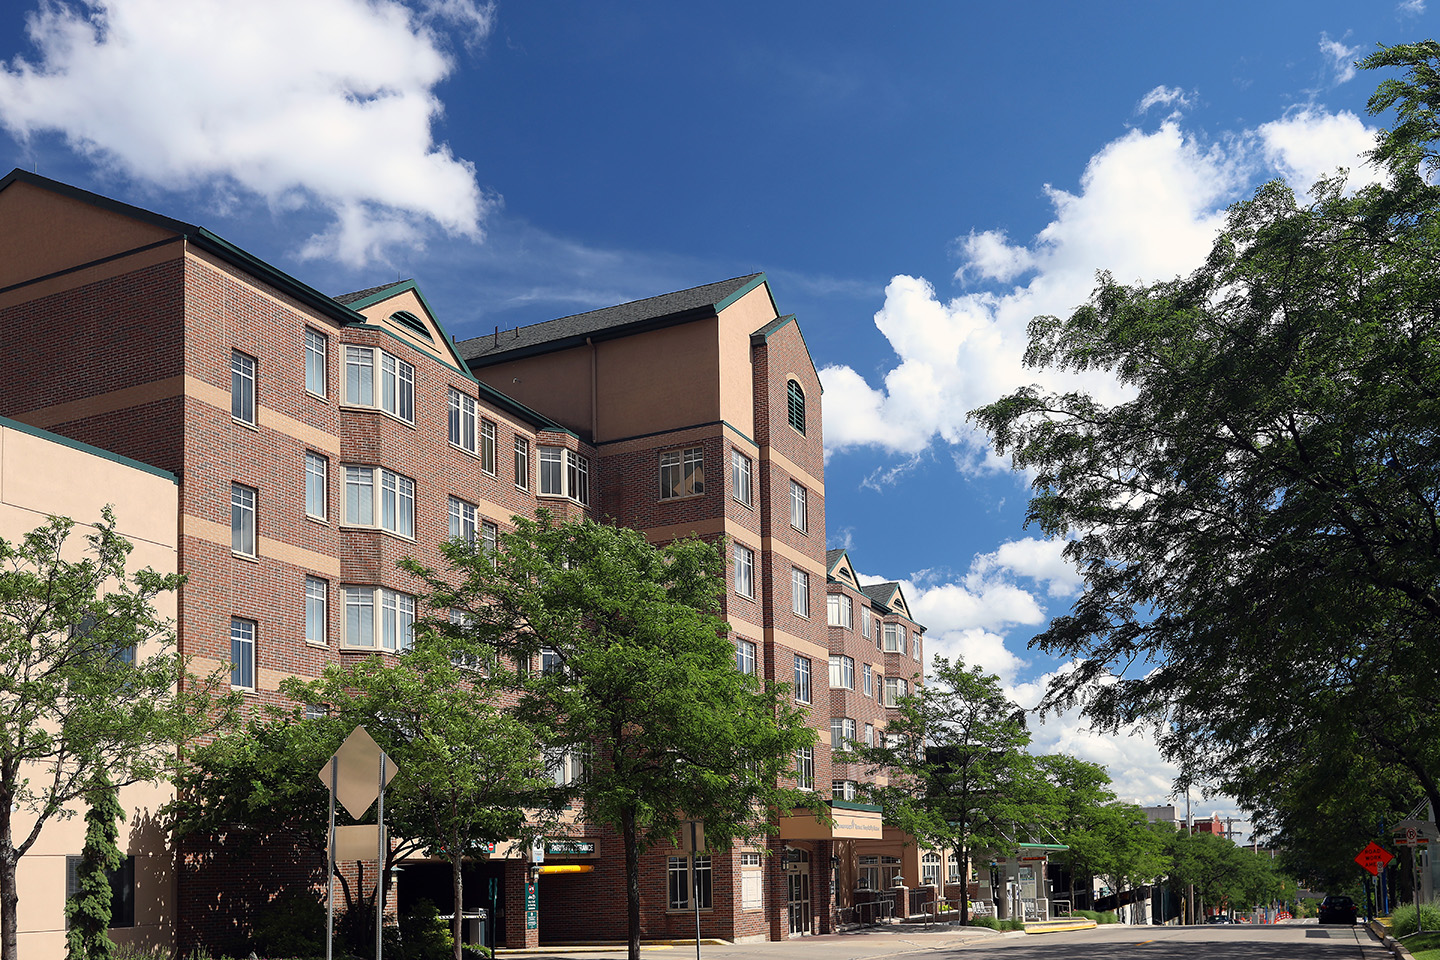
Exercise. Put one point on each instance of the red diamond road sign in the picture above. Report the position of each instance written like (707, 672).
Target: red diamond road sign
(1373, 857)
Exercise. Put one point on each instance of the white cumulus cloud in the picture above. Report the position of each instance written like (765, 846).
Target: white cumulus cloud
(1148, 207)
(1163, 96)
(325, 104)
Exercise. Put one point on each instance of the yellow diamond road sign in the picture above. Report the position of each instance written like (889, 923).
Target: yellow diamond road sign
(357, 780)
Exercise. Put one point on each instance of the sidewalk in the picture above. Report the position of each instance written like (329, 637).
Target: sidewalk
(885, 941)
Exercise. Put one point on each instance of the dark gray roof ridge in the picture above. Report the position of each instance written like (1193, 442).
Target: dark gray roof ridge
(356, 295)
(565, 331)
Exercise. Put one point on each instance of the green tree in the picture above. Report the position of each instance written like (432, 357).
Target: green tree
(1072, 794)
(637, 671)
(1257, 526)
(470, 772)
(954, 758)
(1118, 844)
(88, 912)
(87, 684)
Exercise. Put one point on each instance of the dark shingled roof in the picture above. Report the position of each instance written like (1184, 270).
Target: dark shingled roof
(618, 320)
(879, 592)
(831, 555)
(358, 295)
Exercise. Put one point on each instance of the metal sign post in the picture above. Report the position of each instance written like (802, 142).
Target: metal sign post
(695, 841)
(350, 777)
(330, 864)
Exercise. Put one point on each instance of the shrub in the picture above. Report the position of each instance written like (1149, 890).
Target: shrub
(1403, 920)
(291, 925)
(989, 922)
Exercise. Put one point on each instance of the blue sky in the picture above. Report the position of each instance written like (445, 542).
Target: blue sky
(918, 180)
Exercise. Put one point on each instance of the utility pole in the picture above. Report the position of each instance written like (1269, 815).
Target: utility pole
(1189, 832)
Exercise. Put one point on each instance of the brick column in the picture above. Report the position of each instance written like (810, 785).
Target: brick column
(902, 901)
(516, 936)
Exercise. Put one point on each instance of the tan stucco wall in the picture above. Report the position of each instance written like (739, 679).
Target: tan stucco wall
(737, 383)
(40, 477)
(65, 232)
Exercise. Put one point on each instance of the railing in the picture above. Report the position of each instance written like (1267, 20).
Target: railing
(918, 898)
(932, 909)
(1060, 908)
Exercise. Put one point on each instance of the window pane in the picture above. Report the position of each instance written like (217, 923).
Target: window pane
(360, 376)
(359, 616)
(317, 352)
(360, 496)
(522, 463)
(740, 477)
(317, 470)
(316, 596)
(799, 592)
(242, 653)
(744, 571)
(487, 447)
(242, 519)
(552, 475)
(242, 387)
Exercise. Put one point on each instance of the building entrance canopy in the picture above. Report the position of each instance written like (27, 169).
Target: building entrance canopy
(850, 821)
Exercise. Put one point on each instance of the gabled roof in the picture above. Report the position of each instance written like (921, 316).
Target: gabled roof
(839, 569)
(202, 239)
(775, 326)
(606, 323)
(889, 596)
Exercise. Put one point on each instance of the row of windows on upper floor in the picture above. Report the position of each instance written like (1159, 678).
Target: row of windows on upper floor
(682, 474)
(744, 561)
(889, 637)
(563, 473)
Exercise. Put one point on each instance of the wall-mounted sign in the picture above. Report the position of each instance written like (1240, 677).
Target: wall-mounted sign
(532, 905)
(571, 848)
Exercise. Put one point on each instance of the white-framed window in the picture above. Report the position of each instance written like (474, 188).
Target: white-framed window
(682, 473)
(567, 766)
(392, 630)
(842, 672)
(869, 680)
(242, 387)
(952, 872)
(744, 571)
(930, 869)
(242, 653)
(461, 427)
(242, 519)
(487, 446)
(904, 644)
(865, 621)
(522, 463)
(317, 602)
(745, 656)
(551, 661)
(802, 679)
(463, 519)
(799, 592)
(869, 734)
(805, 768)
(799, 507)
(317, 362)
(395, 510)
(842, 734)
(564, 473)
(317, 485)
(895, 689)
(741, 487)
(682, 885)
(839, 611)
(915, 645)
(395, 391)
(894, 638)
(869, 878)
(843, 789)
(490, 538)
(752, 882)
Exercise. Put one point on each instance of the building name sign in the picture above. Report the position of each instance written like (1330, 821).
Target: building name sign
(564, 848)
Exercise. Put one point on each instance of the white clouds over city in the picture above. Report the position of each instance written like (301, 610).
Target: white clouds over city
(212, 95)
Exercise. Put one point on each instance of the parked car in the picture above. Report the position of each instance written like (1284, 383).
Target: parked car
(1219, 918)
(1336, 909)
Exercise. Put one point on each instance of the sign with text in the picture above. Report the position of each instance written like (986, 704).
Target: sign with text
(1373, 857)
(532, 905)
(569, 848)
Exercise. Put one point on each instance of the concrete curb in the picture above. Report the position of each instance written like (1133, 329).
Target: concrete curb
(1391, 944)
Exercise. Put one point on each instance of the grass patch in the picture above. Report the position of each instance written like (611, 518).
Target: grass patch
(1105, 917)
(1406, 920)
(1424, 946)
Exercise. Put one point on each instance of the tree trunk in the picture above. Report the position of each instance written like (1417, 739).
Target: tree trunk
(457, 884)
(962, 855)
(632, 882)
(9, 895)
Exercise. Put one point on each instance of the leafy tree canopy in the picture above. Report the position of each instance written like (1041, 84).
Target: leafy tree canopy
(637, 673)
(1258, 527)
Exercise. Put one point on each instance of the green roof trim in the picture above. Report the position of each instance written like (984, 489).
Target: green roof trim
(410, 286)
(775, 326)
(758, 280)
(852, 805)
(83, 447)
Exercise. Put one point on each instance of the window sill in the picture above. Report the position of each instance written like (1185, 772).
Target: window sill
(362, 408)
(561, 496)
(465, 450)
(688, 911)
(324, 398)
(683, 496)
(742, 596)
(247, 424)
(318, 646)
(389, 533)
(323, 521)
(747, 506)
(248, 557)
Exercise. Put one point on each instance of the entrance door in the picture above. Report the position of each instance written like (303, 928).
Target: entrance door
(798, 879)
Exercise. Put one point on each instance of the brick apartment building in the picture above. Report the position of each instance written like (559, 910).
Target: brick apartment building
(318, 440)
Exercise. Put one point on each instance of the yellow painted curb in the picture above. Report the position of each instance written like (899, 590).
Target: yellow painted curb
(1036, 928)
